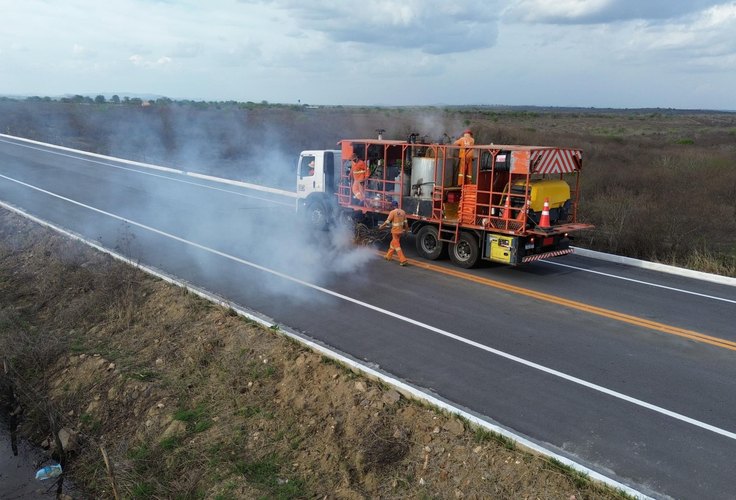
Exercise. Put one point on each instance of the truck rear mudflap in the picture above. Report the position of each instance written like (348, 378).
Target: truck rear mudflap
(546, 255)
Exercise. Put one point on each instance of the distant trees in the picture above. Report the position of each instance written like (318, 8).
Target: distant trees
(166, 101)
(77, 99)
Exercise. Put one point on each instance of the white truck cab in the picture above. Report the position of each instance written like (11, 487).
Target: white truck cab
(318, 175)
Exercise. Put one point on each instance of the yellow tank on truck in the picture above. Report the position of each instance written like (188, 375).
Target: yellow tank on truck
(556, 190)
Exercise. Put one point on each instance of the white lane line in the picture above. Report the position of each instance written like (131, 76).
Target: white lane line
(648, 283)
(404, 388)
(164, 169)
(439, 331)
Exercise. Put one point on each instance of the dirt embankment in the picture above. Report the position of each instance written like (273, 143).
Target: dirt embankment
(191, 401)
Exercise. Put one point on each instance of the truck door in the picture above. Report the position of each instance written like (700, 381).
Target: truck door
(330, 178)
(311, 176)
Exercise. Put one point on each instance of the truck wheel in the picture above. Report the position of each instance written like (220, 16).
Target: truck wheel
(465, 253)
(316, 215)
(345, 218)
(428, 243)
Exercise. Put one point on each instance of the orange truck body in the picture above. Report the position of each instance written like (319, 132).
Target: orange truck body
(497, 216)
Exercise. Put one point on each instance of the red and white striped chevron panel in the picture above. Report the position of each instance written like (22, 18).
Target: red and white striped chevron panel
(555, 161)
(546, 255)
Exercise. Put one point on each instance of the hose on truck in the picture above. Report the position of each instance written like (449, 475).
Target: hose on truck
(367, 236)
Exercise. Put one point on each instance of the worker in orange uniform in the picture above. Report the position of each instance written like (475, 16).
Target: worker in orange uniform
(359, 172)
(465, 167)
(399, 225)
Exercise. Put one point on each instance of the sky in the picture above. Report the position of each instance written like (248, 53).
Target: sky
(582, 53)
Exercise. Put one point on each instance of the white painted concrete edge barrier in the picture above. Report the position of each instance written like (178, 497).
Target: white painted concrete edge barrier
(405, 389)
(231, 182)
(655, 266)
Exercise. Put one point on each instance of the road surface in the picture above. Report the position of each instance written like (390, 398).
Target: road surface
(628, 371)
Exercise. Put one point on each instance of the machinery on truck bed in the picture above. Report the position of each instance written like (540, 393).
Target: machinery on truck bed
(496, 216)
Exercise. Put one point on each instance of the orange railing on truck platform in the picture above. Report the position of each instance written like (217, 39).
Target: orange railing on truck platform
(422, 179)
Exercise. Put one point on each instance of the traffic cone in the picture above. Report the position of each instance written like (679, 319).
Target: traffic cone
(544, 219)
(507, 208)
(522, 212)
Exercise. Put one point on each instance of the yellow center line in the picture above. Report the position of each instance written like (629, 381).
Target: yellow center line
(572, 304)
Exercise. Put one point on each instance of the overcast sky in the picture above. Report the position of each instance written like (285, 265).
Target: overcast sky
(599, 53)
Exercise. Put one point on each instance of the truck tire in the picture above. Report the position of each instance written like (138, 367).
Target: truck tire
(345, 218)
(465, 253)
(428, 243)
(316, 215)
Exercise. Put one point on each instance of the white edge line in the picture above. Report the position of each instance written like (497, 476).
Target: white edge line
(655, 266)
(641, 282)
(158, 167)
(407, 390)
(242, 184)
(141, 172)
(95, 155)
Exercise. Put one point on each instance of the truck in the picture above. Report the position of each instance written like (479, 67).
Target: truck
(519, 205)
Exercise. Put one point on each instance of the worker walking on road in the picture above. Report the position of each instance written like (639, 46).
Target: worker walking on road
(465, 167)
(359, 173)
(399, 225)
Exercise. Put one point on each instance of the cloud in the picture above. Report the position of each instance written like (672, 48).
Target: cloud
(82, 52)
(240, 52)
(688, 43)
(430, 26)
(702, 39)
(186, 50)
(385, 51)
(602, 11)
(144, 62)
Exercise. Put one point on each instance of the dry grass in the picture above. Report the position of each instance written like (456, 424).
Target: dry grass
(191, 401)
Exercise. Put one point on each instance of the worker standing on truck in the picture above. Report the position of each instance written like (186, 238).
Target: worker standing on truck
(465, 167)
(399, 225)
(359, 172)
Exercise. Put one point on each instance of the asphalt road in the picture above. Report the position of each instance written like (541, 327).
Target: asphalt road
(627, 371)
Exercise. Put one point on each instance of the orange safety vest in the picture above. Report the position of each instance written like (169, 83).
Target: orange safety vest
(360, 171)
(465, 142)
(397, 217)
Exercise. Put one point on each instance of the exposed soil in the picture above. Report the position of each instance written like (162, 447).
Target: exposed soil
(191, 401)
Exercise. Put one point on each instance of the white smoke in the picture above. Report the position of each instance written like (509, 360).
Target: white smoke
(256, 145)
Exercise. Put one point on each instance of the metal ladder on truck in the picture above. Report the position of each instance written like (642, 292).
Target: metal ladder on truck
(445, 232)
